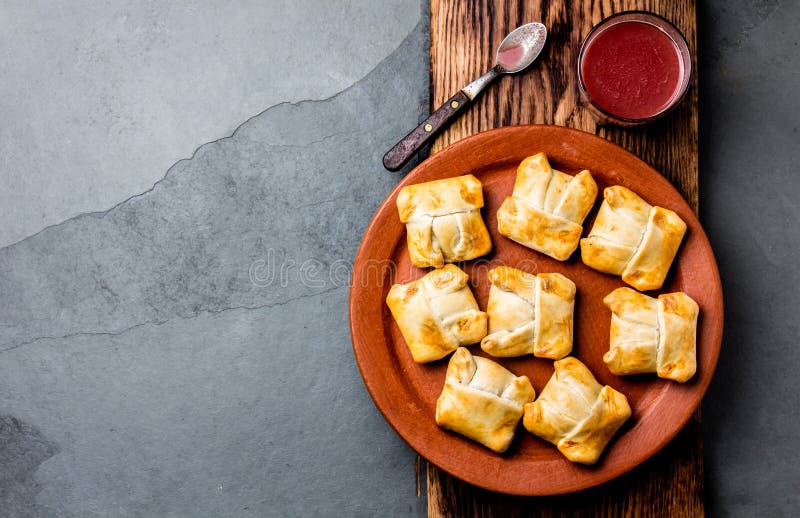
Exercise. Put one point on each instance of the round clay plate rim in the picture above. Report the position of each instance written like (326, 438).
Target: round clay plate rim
(384, 374)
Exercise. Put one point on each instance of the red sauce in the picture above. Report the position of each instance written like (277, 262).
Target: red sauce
(631, 70)
(510, 57)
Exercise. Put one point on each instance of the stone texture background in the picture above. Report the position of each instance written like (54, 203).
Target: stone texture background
(174, 339)
(103, 97)
(749, 185)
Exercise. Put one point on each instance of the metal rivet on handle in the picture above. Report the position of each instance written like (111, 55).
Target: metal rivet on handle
(428, 127)
(454, 104)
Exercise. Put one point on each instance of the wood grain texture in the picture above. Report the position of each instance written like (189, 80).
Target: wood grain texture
(464, 35)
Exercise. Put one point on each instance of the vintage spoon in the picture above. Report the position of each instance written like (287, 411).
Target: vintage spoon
(518, 50)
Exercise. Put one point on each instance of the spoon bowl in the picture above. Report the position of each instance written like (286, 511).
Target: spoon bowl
(520, 48)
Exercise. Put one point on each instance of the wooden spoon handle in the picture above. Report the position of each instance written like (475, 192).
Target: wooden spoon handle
(419, 136)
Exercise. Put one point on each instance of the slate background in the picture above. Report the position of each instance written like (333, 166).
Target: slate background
(155, 361)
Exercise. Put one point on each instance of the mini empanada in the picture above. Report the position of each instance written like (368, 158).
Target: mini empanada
(482, 400)
(437, 313)
(633, 239)
(547, 208)
(443, 221)
(649, 335)
(529, 314)
(575, 413)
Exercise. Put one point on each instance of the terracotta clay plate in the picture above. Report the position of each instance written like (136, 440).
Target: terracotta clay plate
(406, 392)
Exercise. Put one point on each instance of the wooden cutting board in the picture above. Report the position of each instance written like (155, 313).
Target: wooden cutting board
(464, 36)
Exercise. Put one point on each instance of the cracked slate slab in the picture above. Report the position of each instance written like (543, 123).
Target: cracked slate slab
(291, 189)
(99, 98)
(188, 352)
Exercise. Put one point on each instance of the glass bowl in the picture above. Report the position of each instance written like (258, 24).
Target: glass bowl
(601, 97)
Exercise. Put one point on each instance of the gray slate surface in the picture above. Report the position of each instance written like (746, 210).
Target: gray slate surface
(99, 98)
(153, 362)
(749, 185)
(156, 362)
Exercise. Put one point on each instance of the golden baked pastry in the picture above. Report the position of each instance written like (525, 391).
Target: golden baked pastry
(482, 400)
(547, 208)
(575, 413)
(652, 335)
(437, 313)
(443, 221)
(633, 239)
(529, 314)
